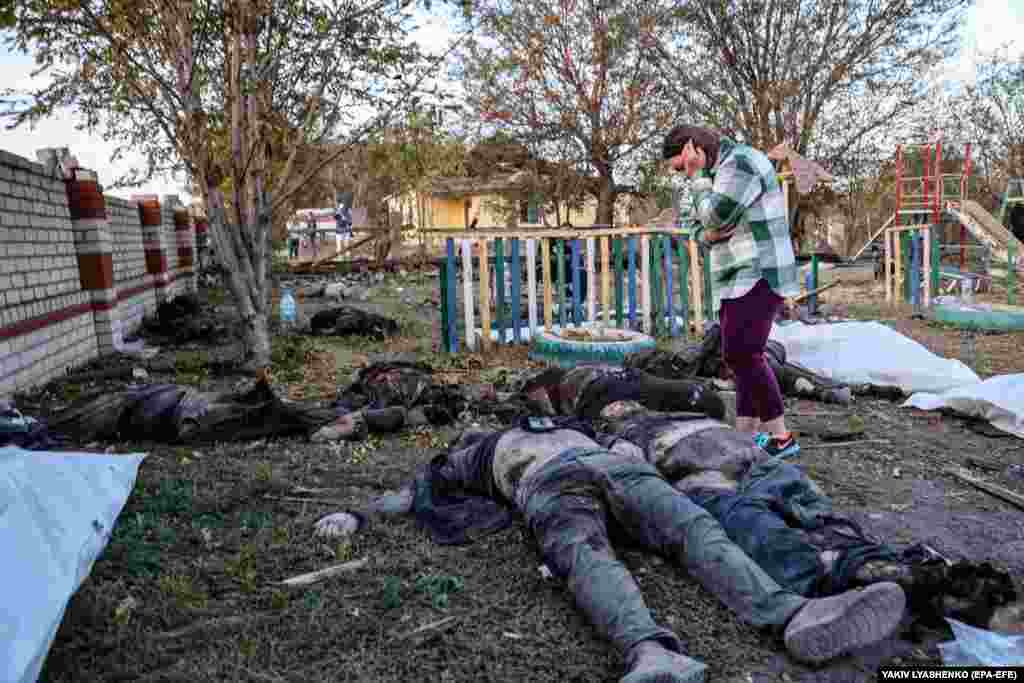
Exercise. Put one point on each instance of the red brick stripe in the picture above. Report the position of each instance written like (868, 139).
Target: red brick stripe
(32, 324)
(39, 322)
(156, 261)
(96, 271)
(85, 199)
(149, 212)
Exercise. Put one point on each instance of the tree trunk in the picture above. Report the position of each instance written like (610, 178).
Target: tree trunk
(606, 202)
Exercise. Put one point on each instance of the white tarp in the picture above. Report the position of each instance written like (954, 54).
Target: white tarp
(1000, 400)
(56, 514)
(870, 353)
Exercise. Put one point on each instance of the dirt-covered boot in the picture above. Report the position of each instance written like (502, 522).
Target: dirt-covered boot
(829, 627)
(651, 662)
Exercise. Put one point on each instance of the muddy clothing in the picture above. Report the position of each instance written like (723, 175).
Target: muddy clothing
(705, 360)
(586, 391)
(570, 490)
(768, 507)
(173, 412)
(409, 385)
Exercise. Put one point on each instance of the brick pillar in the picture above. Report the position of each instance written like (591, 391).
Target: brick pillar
(185, 235)
(156, 260)
(94, 247)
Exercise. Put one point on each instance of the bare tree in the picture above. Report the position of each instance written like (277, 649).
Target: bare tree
(821, 76)
(578, 74)
(230, 91)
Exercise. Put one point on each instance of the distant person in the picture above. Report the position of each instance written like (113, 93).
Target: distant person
(743, 223)
(342, 225)
(311, 231)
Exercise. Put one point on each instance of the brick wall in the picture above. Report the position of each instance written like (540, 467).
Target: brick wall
(46, 321)
(135, 293)
(76, 271)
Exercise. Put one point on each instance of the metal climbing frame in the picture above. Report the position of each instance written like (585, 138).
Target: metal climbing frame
(920, 201)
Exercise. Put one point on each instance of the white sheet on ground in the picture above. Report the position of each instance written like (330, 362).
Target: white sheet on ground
(56, 514)
(1000, 400)
(870, 353)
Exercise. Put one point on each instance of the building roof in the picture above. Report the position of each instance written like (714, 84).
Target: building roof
(497, 183)
(806, 172)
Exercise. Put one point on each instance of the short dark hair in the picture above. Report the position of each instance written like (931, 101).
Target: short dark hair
(702, 138)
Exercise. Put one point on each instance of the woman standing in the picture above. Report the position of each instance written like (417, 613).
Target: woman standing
(742, 214)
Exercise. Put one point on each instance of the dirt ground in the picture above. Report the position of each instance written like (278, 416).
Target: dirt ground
(189, 587)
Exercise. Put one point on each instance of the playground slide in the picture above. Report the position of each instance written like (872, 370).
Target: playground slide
(987, 230)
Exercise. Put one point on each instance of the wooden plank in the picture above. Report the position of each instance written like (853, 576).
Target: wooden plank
(467, 292)
(606, 283)
(887, 242)
(592, 284)
(631, 248)
(516, 293)
(926, 259)
(673, 323)
(697, 284)
(577, 276)
(485, 296)
(619, 280)
(447, 277)
(531, 285)
(657, 307)
(992, 489)
(684, 284)
(545, 265)
(560, 284)
(499, 287)
(645, 283)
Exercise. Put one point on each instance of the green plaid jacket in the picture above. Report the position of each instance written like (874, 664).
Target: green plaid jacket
(746, 193)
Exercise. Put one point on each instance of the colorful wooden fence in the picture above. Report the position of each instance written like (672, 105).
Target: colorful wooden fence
(635, 277)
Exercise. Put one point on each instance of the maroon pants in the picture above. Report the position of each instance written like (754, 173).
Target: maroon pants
(746, 323)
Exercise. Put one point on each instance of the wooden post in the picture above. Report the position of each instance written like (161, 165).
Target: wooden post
(673, 323)
(684, 284)
(698, 287)
(577, 283)
(656, 293)
(560, 262)
(499, 288)
(631, 247)
(516, 294)
(897, 249)
(926, 257)
(531, 285)
(445, 276)
(620, 284)
(485, 296)
(935, 259)
(813, 302)
(1011, 274)
(545, 267)
(606, 284)
(645, 283)
(592, 284)
(467, 292)
(888, 259)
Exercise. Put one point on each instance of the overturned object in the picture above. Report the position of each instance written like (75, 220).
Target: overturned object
(347, 320)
